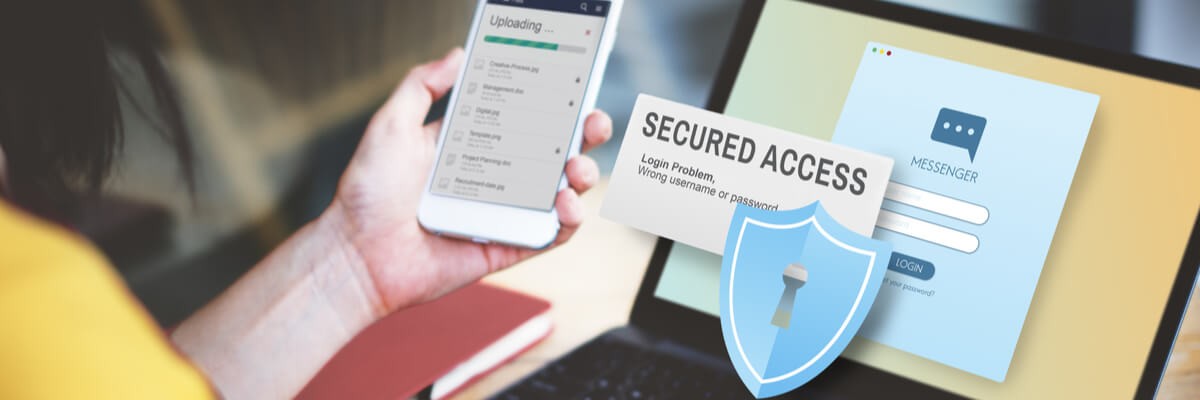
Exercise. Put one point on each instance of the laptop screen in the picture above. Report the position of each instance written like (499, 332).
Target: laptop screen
(1039, 208)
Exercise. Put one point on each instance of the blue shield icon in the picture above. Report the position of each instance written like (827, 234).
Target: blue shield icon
(795, 287)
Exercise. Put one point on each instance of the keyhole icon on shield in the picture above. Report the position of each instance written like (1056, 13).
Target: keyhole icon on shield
(794, 277)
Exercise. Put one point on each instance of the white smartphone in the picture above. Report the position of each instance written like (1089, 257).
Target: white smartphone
(515, 117)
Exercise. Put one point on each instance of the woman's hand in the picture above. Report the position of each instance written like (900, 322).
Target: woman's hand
(366, 256)
(376, 203)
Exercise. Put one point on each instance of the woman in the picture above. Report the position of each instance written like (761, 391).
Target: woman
(71, 330)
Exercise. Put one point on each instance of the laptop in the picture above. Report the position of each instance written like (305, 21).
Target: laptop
(1086, 173)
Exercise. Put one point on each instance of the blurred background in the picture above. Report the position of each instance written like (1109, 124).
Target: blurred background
(277, 94)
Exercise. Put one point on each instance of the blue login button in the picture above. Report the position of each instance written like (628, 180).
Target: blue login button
(911, 266)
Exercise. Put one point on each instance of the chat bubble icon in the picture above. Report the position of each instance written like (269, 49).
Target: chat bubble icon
(959, 129)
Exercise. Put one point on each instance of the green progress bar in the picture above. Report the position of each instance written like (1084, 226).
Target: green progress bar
(520, 42)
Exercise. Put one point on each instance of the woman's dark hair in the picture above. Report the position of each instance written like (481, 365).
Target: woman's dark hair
(60, 117)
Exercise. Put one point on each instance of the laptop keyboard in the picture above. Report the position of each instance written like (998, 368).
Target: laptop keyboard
(609, 368)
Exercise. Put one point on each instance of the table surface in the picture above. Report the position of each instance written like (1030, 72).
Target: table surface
(592, 280)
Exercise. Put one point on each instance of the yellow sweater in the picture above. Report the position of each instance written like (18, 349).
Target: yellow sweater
(70, 329)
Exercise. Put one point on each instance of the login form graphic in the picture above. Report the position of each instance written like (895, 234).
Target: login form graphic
(984, 162)
(795, 288)
(959, 129)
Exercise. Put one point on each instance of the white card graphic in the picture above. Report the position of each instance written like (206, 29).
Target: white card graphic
(682, 170)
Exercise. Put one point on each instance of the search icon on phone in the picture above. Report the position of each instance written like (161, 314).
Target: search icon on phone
(583, 6)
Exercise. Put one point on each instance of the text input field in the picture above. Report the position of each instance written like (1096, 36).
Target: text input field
(936, 203)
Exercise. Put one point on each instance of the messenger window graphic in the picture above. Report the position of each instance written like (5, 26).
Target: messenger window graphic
(984, 161)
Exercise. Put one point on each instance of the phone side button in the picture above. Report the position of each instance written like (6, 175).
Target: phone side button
(480, 241)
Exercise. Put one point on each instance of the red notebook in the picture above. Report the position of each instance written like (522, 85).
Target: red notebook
(452, 341)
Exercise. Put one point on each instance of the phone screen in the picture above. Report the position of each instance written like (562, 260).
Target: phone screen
(509, 133)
